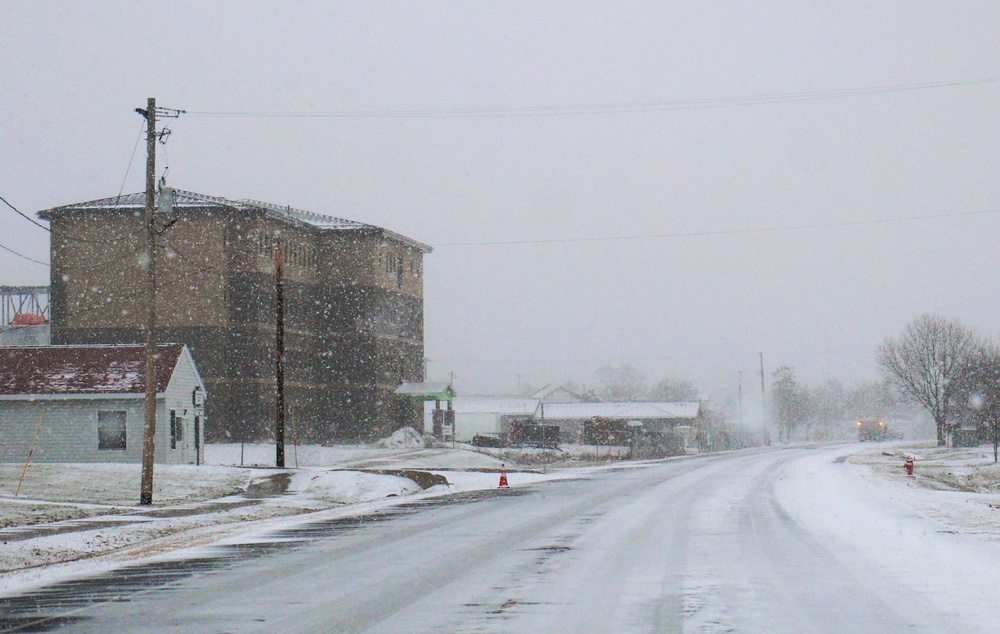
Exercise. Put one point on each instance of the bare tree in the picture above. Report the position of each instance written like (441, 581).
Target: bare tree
(620, 383)
(927, 364)
(790, 401)
(673, 390)
(984, 391)
(872, 400)
(827, 404)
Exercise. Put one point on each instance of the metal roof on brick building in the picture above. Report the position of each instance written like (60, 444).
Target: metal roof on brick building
(83, 369)
(185, 200)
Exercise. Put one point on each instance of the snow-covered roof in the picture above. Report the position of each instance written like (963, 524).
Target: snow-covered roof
(83, 369)
(433, 390)
(556, 394)
(492, 405)
(187, 201)
(581, 411)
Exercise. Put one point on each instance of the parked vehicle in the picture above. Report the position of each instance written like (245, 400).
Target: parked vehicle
(530, 434)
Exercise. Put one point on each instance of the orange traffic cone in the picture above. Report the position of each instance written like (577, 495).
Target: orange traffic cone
(503, 476)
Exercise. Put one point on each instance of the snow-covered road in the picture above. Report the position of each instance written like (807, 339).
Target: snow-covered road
(781, 540)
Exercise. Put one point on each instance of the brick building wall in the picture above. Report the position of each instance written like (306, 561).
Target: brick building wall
(353, 308)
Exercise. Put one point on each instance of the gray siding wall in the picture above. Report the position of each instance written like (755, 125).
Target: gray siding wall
(68, 431)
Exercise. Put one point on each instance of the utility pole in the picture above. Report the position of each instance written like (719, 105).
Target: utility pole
(279, 350)
(765, 438)
(149, 423)
(739, 394)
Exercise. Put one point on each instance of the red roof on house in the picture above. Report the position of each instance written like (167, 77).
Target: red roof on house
(83, 369)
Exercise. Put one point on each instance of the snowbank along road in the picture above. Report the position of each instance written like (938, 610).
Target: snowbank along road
(782, 540)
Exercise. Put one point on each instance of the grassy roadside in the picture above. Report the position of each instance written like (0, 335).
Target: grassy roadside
(969, 469)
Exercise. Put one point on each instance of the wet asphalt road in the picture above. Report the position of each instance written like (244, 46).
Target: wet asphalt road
(693, 545)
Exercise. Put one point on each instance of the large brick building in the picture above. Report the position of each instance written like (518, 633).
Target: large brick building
(353, 307)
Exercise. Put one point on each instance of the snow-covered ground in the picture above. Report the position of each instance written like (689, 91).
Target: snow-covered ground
(913, 531)
(69, 520)
(958, 487)
(72, 517)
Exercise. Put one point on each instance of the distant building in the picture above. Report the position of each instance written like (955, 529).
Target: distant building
(494, 416)
(556, 394)
(660, 418)
(24, 305)
(353, 307)
(487, 415)
(24, 316)
(85, 404)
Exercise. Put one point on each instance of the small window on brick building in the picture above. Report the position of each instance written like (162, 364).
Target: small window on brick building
(111, 431)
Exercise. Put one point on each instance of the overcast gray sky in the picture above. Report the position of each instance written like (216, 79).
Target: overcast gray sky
(699, 306)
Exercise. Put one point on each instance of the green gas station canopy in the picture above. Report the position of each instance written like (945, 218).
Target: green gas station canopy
(426, 391)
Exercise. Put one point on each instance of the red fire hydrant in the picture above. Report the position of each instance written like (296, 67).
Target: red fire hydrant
(908, 465)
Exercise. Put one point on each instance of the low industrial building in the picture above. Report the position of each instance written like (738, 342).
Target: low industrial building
(672, 427)
(682, 419)
(24, 316)
(85, 404)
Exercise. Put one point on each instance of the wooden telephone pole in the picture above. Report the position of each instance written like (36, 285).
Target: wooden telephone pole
(279, 362)
(149, 424)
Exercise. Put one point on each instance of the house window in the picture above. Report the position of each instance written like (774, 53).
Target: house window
(111, 431)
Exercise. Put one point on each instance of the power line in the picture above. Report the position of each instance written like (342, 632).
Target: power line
(606, 108)
(21, 255)
(41, 226)
(721, 232)
(665, 357)
(120, 190)
(65, 237)
(23, 215)
(142, 126)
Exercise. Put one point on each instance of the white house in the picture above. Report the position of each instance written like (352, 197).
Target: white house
(85, 404)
